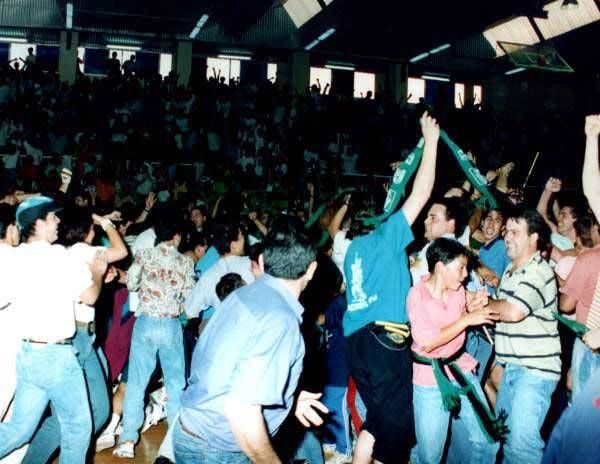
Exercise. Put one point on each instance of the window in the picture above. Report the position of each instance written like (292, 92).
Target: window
(81, 53)
(363, 83)
(322, 74)
(416, 89)
(272, 72)
(477, 95)
(165, 64)
(459, 95)
(19, 50)
(122, 55)
(223, 67)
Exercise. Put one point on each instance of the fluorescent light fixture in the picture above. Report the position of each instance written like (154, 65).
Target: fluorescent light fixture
(440, 48)
(234, 57)
(13, 39)
(326, 34)
(514, 71)
(414, 59)
(436, 77)
(343, 67)
(123, 47)
(312, 45)
(69, 20)
(199, 25)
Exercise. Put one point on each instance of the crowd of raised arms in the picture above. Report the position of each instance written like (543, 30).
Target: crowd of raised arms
(293, 278)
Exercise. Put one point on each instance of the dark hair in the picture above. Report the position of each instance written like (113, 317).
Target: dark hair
(200, 208)
(444, 250)
(255, 251)
(224, 235)
(535, 225)
(229, 283)
(74, 226)
(195, 239)
(288, 251)
(166, 227)
(583, 228)
(500, 211)
(7, 218)
(455, 210)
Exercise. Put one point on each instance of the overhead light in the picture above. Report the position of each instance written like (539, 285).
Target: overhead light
(201, 22)
(321, 38)
(569, 4)
(311, 45)
(341, 66)
(436, 77)
(326, 34)
(414, 59)
(234, 57)
(69, 20)
(124, 47)
(13, 39)
(514, 71)
(439, 49)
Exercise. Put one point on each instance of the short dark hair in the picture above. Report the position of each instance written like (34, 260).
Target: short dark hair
(7, 218)
(535, 225)
(444, 250)
(288, 250)
(74, 226)
(455, 210)
(166, 227)
(229, 283)
(500, 211)
(195, 239)
(583, 228)
(224, 234)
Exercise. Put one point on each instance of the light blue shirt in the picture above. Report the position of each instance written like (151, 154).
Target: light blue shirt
(251, 350)
(377, 275)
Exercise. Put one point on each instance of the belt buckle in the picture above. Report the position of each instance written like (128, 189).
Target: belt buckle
(396, 338)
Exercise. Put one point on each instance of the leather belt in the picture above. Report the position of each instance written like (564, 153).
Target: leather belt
(90, 327)
(190, 433)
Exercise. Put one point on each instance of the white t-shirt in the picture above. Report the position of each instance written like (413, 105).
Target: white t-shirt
(85, 253)
(340, 248)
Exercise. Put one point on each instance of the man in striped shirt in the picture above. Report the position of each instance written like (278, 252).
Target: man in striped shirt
(527, 341)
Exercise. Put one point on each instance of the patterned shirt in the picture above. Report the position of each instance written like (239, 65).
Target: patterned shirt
(164, 278)
(532, 342)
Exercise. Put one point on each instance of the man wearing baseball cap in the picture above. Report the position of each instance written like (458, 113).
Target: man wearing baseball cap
(44, 283)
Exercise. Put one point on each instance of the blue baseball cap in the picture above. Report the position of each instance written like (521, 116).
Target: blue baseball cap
(35, 208)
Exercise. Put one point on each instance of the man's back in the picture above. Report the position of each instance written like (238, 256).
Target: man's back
(252, 350)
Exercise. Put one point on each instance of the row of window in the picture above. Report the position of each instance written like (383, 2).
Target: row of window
(230, 69)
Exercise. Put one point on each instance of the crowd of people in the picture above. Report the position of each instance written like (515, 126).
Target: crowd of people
(432, 333)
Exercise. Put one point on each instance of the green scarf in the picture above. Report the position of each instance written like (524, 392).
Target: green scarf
(577, 327)
(405, 171)
(493, 427)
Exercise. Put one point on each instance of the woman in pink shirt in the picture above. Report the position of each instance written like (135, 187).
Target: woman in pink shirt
(437, 309)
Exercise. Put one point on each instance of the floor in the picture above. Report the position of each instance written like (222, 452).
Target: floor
(145, 451)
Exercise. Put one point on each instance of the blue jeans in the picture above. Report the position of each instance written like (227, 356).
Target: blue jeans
(525, 396)
(584, 365)
(337, 426)
(478, 347)
(152, 336)
(49, 373)
(47, 438)
(193, 450)
(310, 449)
(432, 422)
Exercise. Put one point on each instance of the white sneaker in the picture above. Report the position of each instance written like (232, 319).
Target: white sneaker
(154, 414)
(105, 441)
(124, 450)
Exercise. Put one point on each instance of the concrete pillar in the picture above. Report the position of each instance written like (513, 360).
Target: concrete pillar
(183, 62)
(468, 96)
(397, 81)
(67, 56)
(299, 71)
(380, 83)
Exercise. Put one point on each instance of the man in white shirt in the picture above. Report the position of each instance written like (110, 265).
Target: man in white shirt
(44, 283)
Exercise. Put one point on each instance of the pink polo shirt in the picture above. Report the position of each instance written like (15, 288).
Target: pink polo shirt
(582, 280)
(427, 317)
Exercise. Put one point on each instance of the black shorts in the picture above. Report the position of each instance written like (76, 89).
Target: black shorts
(382, 371)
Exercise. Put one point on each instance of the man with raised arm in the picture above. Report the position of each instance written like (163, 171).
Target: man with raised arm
(378, 280)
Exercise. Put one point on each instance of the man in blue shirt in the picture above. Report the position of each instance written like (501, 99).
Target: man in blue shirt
(247, 363)
(378, 280)
(493, 252)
